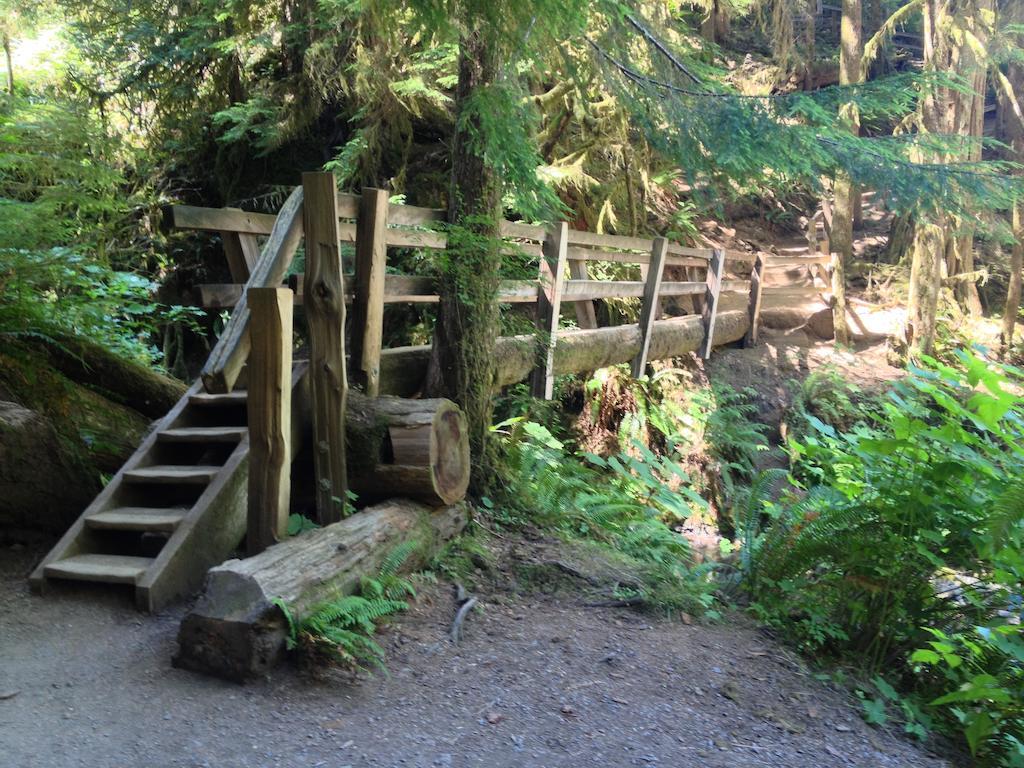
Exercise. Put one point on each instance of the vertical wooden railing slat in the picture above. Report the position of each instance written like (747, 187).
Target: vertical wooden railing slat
(325, 313)
(549, 307)
(237, 264)
(368, 294)
(716, 268)
(270, 408)
(754, 303)
(649, 309)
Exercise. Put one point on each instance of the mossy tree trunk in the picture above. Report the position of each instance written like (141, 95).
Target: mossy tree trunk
(463, 367)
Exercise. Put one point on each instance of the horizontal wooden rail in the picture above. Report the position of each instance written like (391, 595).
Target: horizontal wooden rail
(398, 289)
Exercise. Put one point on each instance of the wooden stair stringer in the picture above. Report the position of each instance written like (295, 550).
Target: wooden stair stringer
(208, 533)
(78, 538)
(216, 524)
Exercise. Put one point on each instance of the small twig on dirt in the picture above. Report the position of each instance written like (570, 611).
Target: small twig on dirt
(461, 595)
(456, 631)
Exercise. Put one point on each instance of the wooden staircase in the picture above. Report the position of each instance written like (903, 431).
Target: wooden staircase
(176, 508)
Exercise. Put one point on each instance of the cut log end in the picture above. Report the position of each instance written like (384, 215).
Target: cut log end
(449, 454)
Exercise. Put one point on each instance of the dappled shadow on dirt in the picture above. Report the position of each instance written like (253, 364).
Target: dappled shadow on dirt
(538, 680)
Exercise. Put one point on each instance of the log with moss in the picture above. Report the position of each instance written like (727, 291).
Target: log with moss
(403, 369)
(237, 631)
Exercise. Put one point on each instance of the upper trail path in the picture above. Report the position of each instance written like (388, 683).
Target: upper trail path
(537, 681)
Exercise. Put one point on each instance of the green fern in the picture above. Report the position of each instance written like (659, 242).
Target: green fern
(341, 630)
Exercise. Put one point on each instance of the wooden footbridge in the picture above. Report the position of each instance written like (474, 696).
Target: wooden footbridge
(217, 468)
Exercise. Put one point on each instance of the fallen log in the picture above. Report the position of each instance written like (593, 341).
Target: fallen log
(237, 632)
(403, 368)
(414, 448)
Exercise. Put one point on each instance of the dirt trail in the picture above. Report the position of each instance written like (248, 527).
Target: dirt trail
(538, 681)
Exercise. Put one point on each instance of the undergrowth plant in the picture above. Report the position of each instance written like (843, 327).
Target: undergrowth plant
(902, 552)
(626, 503)
(340, 631)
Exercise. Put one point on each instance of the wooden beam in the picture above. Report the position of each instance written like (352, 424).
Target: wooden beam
(368, 296)
(238, 266)
(269, 405)
(579, 253)
(649, 309)
(325, 314)
(754, 304)
(222, 219)
(250, 249)
(586, 317)
(714, 286)
(232, 349)
(549, 308)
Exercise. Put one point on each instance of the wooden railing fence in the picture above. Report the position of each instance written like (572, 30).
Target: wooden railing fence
(260, 249)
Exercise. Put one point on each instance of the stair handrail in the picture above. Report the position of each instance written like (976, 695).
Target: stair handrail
(232, 349)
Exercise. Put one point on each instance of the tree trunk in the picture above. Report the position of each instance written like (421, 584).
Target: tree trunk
(925, 281)
(236, 630)
(811, 11)
(1012, 306)
(10, 63)
(1010, 130)
(467, 323)
(850, 54)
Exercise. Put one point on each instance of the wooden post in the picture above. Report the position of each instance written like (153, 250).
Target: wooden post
(716, 267)
(754, 305)
(325, 314)
(270, 416)
(549, 307)
(250, 249)
(237, 264)
(649, 310)
(368, 299)
(586, 317)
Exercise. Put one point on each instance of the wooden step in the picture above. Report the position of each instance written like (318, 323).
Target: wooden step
(202, 435)
(205, 399)
(136, 519)
(200, 474)
(115, 569)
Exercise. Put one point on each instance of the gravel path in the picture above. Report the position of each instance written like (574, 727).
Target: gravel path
(537, 681)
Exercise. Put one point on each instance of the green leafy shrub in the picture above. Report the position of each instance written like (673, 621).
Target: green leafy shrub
(925, 492)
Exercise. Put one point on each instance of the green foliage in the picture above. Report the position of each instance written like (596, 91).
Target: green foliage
(906, 540)
(63, 216)
(341, 630)
(627, 503)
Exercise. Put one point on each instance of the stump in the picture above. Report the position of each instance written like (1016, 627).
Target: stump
(414, 448)
(236, 631)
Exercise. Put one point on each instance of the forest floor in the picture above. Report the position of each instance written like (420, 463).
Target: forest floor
(539, 679)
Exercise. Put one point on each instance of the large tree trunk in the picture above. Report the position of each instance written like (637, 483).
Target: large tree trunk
(930, 236)
(1010, 130)
(236, 630)
(850, 54)
(463, 365)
